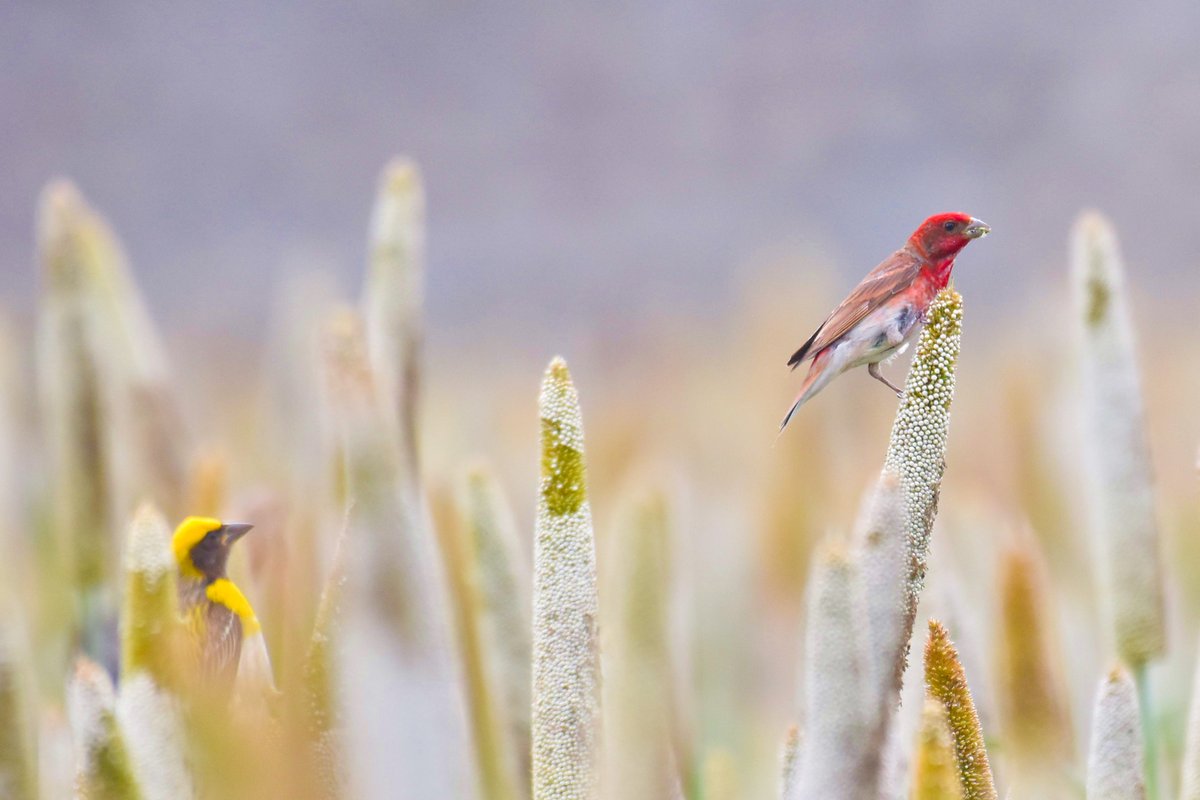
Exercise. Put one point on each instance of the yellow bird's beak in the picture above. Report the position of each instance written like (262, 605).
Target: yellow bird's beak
(232, 531)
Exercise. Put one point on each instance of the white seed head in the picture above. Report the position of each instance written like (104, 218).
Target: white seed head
(566, 662)
(916, 453)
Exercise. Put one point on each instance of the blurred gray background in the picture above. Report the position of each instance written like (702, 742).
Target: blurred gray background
(593, 163)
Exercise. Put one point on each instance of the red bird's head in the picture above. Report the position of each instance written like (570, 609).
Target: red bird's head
(943, 235)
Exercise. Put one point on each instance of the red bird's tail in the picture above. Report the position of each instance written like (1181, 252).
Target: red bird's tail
(823, 369)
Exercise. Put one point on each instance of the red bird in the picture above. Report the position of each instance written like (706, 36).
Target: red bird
(887, 309)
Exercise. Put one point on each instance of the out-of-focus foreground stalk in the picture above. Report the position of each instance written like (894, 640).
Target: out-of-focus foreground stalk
(394, 297)
(1119, 478)
(1115, 765)
(480, 651)
(506, 606)
(11, 521)
(838, 758)
(18, 732)
(149, 706)
(638, 685)
(74, 416)
(1118, 475)
(789, 763)
(103, 770)
(1191, 747)
(1033, 703)
(935, 770)
(395, 677)
(109, 411)
(315, 708)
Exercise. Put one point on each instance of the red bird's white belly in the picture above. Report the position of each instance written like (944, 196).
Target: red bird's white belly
(883, 334)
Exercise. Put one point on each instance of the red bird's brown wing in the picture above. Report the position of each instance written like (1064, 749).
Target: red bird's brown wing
(892, 276)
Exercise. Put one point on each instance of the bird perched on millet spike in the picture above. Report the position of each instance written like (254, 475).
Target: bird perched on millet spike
(221, 620)
(886, 311)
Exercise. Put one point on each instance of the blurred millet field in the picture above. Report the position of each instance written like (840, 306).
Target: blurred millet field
(612, 584)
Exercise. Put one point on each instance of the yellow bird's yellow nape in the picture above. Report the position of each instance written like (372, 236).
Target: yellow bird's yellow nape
(188, 535)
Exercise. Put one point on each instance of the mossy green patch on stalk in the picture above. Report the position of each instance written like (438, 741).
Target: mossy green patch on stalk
(566, 494)
(946, 682)
(564, 488)
(1098, 296)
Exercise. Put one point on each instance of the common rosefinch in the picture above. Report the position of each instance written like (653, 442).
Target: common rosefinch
(887, 309)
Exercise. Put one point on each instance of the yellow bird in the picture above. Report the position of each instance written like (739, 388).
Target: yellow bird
(233, 653)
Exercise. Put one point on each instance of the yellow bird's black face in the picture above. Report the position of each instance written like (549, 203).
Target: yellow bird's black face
(211, 554)
(202, 545)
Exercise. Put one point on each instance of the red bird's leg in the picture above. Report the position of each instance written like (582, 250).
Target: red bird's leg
(873, 369)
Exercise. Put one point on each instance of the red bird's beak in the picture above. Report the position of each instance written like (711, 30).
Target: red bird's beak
(976, 229)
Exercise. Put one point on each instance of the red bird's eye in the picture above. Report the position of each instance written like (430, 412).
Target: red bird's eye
(950, 226)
